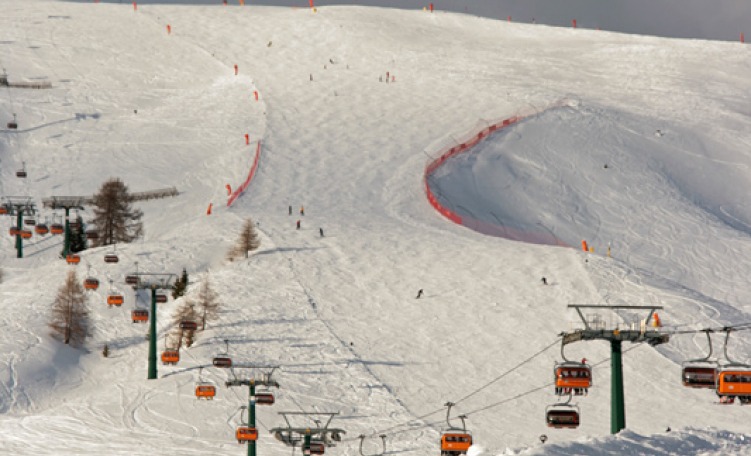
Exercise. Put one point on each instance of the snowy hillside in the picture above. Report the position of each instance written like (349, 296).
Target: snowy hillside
(670, 119)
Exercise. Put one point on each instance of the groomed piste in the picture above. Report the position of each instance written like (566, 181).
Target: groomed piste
(646, 156)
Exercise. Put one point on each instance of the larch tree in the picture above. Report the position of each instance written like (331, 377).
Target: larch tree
(115, 220)
(246, 242)
(70, 317)
(180, 285)
(207, 303)
(185, 313)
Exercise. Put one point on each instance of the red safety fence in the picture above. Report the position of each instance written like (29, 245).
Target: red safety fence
(239, 190)
(492, 229)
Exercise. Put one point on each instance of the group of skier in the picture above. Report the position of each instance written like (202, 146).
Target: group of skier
(298, 224)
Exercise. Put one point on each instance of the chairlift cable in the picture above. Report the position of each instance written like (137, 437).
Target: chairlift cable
(739, 327)
(548, 347)
(422, 417)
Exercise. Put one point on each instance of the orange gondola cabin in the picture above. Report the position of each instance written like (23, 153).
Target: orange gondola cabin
(41, 229)
(205, 391)
(573, 378)
(57, 228)
(25, 234)
(733, 383)
(170, 357)
(115, 300)
(246, 434)
(72, 258)
(140, 316)
(453, 443)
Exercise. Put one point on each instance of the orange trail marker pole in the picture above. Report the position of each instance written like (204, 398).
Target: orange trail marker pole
(585, 247)
(236, 69)
(255, 94)
(135, 6)
(247, 139)
(169, 29)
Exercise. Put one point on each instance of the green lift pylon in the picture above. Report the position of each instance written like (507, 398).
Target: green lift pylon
(152, 282)
(640, 332)
(66, 203)
(19, 206)
(251, 383)
(324, 435)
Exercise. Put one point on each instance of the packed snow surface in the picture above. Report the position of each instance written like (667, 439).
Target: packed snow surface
(640, 144)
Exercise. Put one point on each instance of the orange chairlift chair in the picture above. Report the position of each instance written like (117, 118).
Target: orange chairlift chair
(455, 441)
(733, 379)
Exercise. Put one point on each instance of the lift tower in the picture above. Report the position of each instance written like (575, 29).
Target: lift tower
(19, 206)
(251, 383)
(596, 330)
(153, 282)
(66, 203)
(314, 440)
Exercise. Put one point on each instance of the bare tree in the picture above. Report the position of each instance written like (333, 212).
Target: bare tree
(70, 318)
(185, 314)
(207, 303)
(114, 218)
(246, 243)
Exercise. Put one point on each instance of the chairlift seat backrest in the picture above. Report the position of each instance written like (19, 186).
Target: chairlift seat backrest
(222, 361)
(57, 228)
(111, 258)
(72, 258)
(188, 325)
(562, 418)
(264, 399)
(41, 229)
(699, 376)
(12, 125)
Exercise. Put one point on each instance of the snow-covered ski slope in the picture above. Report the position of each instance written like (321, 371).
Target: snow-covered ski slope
(338, 314)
